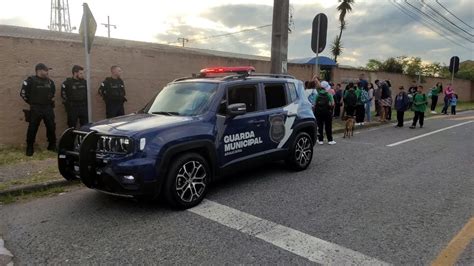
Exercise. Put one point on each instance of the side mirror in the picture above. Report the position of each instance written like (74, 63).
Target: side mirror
(236, 109)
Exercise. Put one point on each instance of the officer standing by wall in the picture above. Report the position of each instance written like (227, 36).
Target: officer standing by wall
(112, 91)
(74, 94)
(38, 91)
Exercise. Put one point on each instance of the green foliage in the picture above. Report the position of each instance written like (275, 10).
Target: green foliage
(413, 65)
(393, 65)
(374, 65)
(343, 8)
(336, 47)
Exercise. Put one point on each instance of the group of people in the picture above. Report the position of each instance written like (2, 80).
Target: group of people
(357, 98)
(38, 92)
(416, 100)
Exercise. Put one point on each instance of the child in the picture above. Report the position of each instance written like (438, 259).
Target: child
(454, 102)
(419, 107)
(401, 104)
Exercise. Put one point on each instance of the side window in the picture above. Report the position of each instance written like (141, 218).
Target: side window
(244, 94)
(292, 92)
(275, 95)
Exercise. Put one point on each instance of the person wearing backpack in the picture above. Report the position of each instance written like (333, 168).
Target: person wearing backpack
(362, 98)
(323, 111)
(401, 105)
(350, 100)
(419, 107)
(385, 101)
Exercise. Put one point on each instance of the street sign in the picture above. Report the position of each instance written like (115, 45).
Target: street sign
(88, 27)
(454, 65)
(319, 33)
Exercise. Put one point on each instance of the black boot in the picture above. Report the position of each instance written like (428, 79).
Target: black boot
(29, 150)
(52, 147)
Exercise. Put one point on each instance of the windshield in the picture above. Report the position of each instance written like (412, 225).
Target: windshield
(185, 99)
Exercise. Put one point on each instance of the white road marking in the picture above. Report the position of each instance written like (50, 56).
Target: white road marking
(429, 133)
(5, 252)
(294, 241)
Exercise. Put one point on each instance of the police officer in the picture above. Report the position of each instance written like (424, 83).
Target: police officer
(74, 94)
(112, 91)
(38, 91)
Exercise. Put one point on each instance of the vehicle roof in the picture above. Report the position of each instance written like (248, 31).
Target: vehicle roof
(232, 78)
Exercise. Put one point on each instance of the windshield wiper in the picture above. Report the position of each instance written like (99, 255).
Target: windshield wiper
(165, 113)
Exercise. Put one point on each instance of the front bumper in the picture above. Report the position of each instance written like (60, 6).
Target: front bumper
(120, 174)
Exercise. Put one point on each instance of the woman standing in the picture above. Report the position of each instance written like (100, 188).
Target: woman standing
(434, 96)
(448, 93)
(385, 101)
(368, 104)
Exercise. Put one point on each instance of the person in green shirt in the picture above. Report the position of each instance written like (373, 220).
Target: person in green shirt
(435, 91)
(419, 107)
(323, 105)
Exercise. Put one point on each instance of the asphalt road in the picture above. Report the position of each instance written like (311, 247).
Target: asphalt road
(398, 205)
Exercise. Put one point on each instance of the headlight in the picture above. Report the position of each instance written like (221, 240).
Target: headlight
(114, 144)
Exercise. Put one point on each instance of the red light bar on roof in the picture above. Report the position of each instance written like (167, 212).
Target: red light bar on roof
(218, 70)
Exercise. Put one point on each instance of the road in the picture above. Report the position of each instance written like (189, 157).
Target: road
(360, 201)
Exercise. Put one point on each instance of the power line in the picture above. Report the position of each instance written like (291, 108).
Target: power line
(437, 22)
(450, 22)
(230, 33)
(412, 15)
(453, 14)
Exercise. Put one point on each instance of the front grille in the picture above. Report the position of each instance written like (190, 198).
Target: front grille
(78, 138)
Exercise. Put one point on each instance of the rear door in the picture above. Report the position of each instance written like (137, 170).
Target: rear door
(280, 112)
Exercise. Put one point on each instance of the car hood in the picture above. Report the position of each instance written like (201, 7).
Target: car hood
(136, 123)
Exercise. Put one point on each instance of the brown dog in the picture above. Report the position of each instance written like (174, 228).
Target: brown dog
(350, 122)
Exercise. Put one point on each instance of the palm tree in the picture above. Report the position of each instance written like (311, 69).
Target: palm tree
(343, 8)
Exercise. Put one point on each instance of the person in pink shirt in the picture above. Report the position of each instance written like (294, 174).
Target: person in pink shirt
(448, 93)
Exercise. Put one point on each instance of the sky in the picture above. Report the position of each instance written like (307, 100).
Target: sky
(375, 28)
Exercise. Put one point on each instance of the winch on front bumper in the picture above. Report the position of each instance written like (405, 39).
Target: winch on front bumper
(105, 163)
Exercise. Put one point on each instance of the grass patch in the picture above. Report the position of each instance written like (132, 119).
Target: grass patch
(48, 174)
(8, 199)
(13, 155)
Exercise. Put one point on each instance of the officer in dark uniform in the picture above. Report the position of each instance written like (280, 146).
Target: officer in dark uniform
(38, 91)
(112, 91)
(74, 94)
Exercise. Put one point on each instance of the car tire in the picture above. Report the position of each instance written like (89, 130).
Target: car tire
(301, 152)
(187, 181)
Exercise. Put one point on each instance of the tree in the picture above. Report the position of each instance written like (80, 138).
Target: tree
(343, 8)
(392, 65)
(336, 48)
(374, 65)
(412, 66)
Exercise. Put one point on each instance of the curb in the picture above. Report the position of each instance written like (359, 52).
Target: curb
(37, 187)
(376, 124)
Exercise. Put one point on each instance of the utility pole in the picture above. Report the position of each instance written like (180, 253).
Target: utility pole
(108, 25)
(279, 54)
(183, 40)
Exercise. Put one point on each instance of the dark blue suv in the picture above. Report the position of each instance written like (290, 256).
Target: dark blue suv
(194, 130)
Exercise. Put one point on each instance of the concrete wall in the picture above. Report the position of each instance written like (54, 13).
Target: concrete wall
(147, 68)
(464, 88)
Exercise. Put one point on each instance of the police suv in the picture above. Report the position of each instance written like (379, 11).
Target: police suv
(195, 129)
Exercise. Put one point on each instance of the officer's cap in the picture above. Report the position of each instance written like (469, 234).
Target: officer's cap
(42, 66)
